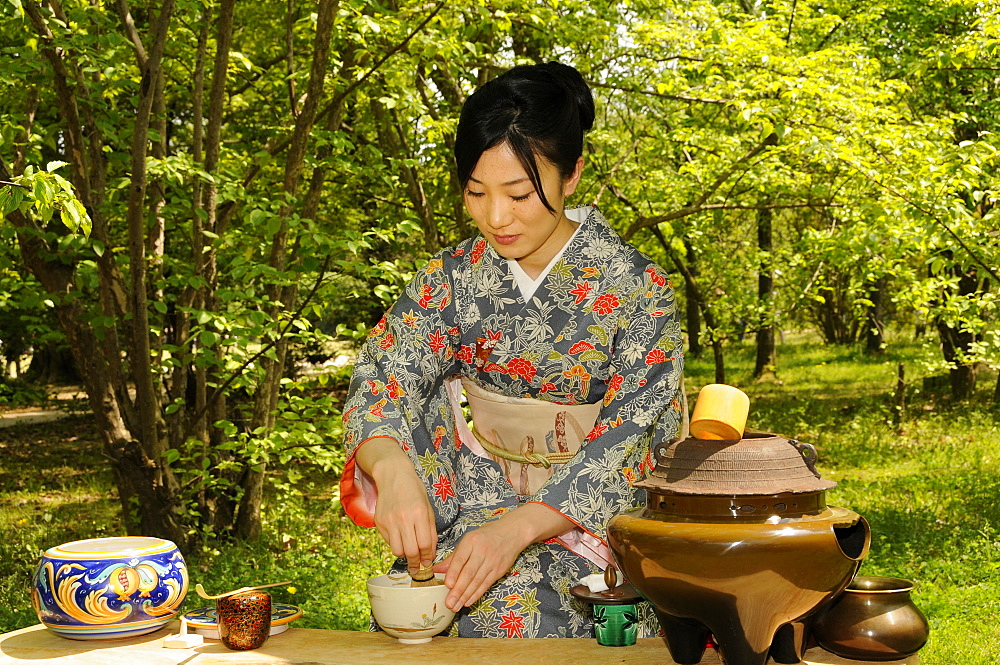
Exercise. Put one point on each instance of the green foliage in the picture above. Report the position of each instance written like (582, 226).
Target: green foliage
(42, 194)
(17, 393)
(866, 132)
(55, 489)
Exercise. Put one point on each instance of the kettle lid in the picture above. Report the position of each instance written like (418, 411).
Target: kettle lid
(758, 464)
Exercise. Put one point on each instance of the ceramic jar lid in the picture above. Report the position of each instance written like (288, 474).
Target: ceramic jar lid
(758, 464)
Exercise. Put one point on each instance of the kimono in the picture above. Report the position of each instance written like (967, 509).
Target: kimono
(601, 328)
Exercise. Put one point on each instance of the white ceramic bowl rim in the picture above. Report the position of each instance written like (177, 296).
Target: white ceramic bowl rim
(114, 546)
(401, 581)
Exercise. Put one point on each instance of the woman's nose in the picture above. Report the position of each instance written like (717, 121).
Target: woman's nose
(498, 214)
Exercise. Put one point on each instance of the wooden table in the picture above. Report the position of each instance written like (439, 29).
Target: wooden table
(302, 646)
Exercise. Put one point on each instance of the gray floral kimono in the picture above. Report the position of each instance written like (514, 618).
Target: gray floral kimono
(602, 327)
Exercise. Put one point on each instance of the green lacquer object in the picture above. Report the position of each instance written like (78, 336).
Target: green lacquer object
(615, 615)
(615, 625)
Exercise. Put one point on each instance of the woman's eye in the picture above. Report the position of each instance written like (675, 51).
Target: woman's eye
(469, 192)
(522, 198)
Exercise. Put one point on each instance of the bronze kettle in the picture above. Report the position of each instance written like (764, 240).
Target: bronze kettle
(736, 540)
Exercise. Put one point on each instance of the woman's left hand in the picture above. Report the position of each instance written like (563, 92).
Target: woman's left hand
(486, 554)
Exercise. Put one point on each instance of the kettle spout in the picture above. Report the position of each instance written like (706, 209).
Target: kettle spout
(854, 539)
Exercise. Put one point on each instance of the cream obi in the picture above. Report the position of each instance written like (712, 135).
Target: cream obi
(529, 438)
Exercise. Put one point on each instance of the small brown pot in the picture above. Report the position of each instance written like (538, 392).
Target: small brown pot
(873, 619)
(244, 619)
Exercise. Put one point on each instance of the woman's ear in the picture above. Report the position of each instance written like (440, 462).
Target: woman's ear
(574, 179)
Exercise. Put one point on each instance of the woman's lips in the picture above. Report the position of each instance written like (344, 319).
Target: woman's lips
(506, 240)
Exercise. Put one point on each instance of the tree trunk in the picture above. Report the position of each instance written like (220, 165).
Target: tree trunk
(147, 488)
(248, 517)
(692, 310)
(875, 318)
(149, 506)
(706, 310)
(52, 364)
(962, 376)
(766, 353)
(956, 342)
(392, 142)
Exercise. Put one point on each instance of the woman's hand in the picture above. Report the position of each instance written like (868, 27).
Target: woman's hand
(483, 556)
(486, 554)
(403, 515)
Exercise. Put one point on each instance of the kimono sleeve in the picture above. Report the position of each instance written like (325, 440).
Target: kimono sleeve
(641, 403)
(401, 367)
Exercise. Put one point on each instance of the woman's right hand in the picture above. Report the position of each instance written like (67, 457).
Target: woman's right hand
(403, 515)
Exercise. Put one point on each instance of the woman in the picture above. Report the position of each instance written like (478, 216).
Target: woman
(567, 344)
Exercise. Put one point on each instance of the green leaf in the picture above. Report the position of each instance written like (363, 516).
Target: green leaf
(10, 198)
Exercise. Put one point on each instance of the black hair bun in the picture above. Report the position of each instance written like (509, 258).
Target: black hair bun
(571, 79)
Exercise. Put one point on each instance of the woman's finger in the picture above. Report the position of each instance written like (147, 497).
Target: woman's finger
(426, 540)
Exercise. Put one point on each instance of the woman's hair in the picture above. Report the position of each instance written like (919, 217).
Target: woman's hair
(540, 110)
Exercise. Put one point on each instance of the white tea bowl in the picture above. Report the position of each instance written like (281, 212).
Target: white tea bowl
(413, 615)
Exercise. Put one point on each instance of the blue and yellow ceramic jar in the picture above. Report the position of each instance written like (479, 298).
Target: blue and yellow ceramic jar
(109, 588)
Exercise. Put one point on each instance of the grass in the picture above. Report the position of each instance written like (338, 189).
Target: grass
(929, 491)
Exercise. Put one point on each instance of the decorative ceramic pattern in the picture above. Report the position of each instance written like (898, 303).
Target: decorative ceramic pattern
(106, 588)
(435, 620)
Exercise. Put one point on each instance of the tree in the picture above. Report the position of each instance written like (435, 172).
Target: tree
(167, 294)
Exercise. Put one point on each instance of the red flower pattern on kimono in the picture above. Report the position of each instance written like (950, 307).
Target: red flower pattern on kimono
(581, 291)
(656, 356)
(607, 303)
(477, 252)
(435, 340)
(522, 368)
(465, 354)
(616, 382)
(426, 295)
(585, 336)
(513, 624)
(379, 328)
(394, 388)
(599, 429)
(444, 488)
(376, 408)
(440, 432)
(655, 277)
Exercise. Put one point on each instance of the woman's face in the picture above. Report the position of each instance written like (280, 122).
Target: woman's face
(511, 215)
